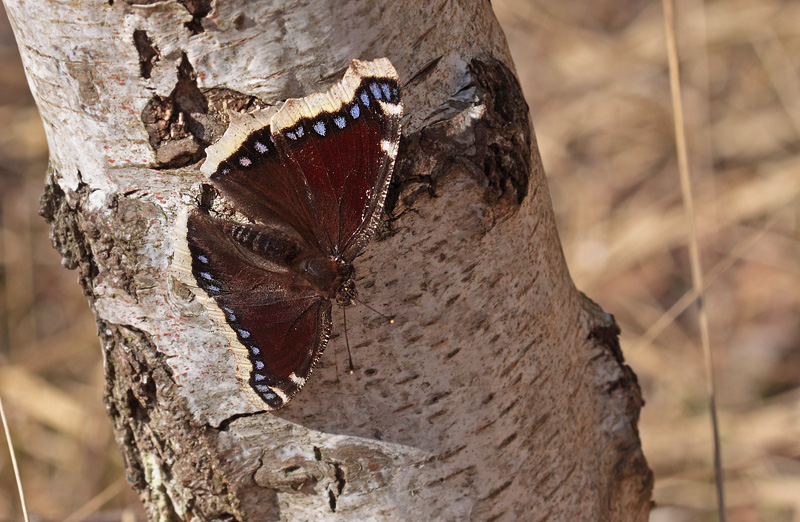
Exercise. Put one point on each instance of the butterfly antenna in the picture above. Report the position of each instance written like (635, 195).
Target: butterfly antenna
(351, 368)
(389, 319)
(336, 362)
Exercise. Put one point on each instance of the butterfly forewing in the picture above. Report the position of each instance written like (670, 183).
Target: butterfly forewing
(342, 158)
(258, 182)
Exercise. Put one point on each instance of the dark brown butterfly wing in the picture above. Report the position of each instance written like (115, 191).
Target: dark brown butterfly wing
(277, 324)
(325, 163)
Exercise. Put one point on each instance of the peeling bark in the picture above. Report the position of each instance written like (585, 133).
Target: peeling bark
(500, 393)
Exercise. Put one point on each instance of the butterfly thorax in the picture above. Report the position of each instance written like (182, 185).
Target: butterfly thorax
(333, 278)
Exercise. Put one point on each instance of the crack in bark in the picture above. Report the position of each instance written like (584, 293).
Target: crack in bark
(508, 440)
(496, 491)
(340, 484)
(226, 423)
(424, 71)
(148, 53)
(496, 517)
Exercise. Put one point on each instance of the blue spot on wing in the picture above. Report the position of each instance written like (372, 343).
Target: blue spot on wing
(376, 91)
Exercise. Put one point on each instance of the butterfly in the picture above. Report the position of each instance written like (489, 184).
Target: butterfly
(308, 183)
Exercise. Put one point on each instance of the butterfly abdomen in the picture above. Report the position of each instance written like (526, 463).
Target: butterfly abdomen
(269, 243)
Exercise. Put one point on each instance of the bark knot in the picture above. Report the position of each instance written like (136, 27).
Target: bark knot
(483, 128)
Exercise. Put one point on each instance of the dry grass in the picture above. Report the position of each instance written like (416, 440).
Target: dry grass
(595, 75)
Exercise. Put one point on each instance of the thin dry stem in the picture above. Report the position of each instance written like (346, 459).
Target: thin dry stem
(694, 250)
(14, 463)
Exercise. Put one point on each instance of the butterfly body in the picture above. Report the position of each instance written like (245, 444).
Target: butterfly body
(331, 277)
(307, 183)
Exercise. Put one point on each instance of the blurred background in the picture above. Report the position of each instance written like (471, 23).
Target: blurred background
(595, 75)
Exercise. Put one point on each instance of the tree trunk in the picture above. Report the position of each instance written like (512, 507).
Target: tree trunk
(500, 393)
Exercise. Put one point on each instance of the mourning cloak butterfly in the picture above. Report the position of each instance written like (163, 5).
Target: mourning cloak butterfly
(309, 182)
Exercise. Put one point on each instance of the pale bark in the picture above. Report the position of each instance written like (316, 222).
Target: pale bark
(500, 392)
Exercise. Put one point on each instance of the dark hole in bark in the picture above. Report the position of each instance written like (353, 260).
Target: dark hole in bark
(199, 9)
(148, 53)
(340, 480)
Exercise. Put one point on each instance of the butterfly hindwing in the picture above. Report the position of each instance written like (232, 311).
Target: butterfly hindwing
(277, 325)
